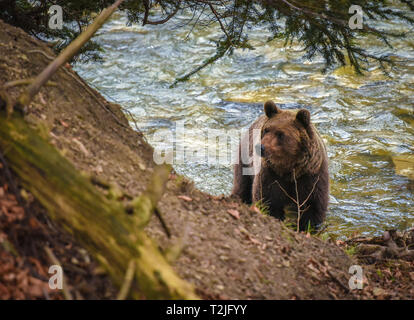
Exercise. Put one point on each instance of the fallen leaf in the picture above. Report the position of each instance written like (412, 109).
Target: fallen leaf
(254, 209)
(81, 147)
(185, 198)
(63, 123)
(234, 213)
(311, 267)
(339, 242)
(34, 224)
(255, 241)
(379, 292)
(42, 99)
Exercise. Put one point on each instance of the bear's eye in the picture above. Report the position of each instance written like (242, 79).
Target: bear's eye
(280, 135)
(265, 130)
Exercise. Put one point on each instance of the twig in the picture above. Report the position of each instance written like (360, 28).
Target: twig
(321, 230)
(145, 205)
(346, 289)
(162, 221)
(54, 260)
(297, 200)
(299, 205)
(129, 276)
(92, 93)
(146, 14)
(285, 192)
(22, 82)
(221, 24)
(313, 189)
(220, 53)
(4, 96)
(27, 96)
(43, 53)
(195, 23)
(173, 252)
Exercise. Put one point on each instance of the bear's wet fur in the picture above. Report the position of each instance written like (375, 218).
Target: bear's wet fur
(292, 149)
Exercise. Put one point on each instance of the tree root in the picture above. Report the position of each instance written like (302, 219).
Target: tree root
(392, 245)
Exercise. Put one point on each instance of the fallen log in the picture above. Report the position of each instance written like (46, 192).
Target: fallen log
(114, 238)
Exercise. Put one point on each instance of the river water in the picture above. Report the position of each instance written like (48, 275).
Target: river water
(364, 120)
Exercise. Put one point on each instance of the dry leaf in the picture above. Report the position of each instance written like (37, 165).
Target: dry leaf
(254, 209)
(41, 98)
(81, 147)
(63, 123)
(255, 241)
(234, 213)
(185, 198)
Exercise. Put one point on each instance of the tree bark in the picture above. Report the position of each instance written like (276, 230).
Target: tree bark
(102, 226)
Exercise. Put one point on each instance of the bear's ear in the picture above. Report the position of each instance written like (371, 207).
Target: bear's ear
(270, 109)
(303, 116)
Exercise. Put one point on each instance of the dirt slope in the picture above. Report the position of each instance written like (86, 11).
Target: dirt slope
(253, 257)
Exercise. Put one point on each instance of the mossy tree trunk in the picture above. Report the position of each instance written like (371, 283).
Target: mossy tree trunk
(102, 226)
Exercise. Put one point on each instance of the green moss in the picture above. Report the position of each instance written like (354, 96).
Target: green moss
(100, 224)
(351, 250)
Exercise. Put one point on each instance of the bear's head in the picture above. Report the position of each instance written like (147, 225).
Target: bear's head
(287, 138)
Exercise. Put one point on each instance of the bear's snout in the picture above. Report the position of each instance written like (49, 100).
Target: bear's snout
(260, 149)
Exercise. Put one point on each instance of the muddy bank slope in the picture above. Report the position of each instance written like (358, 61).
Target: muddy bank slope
(250, 257)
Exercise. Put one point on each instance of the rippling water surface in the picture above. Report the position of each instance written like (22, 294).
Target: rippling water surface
(365, 121)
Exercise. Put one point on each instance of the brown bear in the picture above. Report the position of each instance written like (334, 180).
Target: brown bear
(293, 168)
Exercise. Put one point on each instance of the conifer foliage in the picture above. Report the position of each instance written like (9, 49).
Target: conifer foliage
(320, 26)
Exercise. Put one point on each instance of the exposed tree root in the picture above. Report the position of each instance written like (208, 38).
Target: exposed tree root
(392, 245)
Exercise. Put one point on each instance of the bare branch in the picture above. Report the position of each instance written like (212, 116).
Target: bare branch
(146, 14)
(67, 54)
(296, 200)
(221, 24)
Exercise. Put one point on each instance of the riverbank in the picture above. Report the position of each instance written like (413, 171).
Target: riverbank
(365, 121)
(222, 247)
